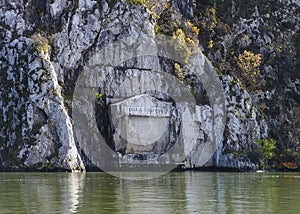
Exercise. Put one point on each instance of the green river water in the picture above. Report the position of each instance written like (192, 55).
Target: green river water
(175, 192)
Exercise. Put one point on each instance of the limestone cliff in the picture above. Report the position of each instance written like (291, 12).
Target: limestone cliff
(254, 47)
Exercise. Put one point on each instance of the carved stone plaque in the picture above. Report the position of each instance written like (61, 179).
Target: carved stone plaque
(142, 124)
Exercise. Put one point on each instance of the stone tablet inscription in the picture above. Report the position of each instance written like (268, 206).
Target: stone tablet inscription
(141, 124)
(147, 111)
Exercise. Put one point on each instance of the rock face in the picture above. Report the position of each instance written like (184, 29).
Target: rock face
(36, 130)
(245, 125)
(45, 46)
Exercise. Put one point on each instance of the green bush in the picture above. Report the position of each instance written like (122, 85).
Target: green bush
(267, 148)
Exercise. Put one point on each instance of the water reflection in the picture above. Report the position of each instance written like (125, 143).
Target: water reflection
(184, 193)
(242, 193)
(165, 194)
(52, 193)
(72, 187)
(108, 194)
